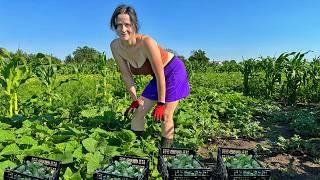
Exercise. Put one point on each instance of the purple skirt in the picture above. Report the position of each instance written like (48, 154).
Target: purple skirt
(177, 85)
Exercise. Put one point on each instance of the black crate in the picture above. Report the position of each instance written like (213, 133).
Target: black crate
(167, 173)
(12, 174)
(240, 173)
(101, 174)
(212, 164)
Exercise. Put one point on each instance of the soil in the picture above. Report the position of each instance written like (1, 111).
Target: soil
(284, 166)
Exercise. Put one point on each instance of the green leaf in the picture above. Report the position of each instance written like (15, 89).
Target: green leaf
(1, 146)
(7, 135)
(90, 144)
(101, 131)
(127, 135)
(6, 164)
(78, 152)
(44, 129)
(76, 176)
(41, 148)
(27, 123)
(76, 131)
(67, 174)
(71, 145)
(4, 126)
(60, 146)
(4, 53)
(26, 140)
(88, 113)
(93, 161)
(11, 149)
(136, 152)
(65, 158)
(108, 150)
(23, 131)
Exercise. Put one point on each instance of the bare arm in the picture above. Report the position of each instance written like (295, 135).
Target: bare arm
(125, 72)
(154, 56)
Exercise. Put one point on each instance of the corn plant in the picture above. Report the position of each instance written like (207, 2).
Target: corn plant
(14, 72)
(273, 70)
(314, 76)
(47, 75)
(295, 69)
(104, 84)
(248, 68)
(4, 54)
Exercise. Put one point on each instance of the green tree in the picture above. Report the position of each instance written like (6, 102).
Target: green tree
(85, 55)
(230, 66)
(68, 59)
(199, 56)
(198, 61)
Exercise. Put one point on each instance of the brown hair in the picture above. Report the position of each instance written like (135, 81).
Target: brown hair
(124, 9)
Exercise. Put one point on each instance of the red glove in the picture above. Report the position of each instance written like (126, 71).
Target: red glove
(134, 105)
(158, 112)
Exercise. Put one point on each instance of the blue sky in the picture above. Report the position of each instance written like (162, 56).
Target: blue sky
(224, 29)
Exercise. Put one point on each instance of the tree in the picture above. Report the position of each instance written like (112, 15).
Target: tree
(68, 59)
(199, 56)
(85, 55)
(230, 66)
(198, 61)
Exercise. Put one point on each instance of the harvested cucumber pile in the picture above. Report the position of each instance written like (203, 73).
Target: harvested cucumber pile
(183, 161)
(124, 168)
(35, 169)
(241, 161)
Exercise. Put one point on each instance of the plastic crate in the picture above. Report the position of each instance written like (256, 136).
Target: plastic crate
(101, 174)
(240, 173)
(12, 174)
(167, 173)
(212, 164)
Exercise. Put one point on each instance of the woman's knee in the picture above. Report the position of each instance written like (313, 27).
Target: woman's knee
(168, 117)
(140, 112)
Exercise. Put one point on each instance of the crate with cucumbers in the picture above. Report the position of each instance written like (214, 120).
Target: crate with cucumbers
(34, 168)
(182, 164)
(235, 163)
(124, 168)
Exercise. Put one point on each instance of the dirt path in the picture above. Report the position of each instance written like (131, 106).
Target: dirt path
(283, 166)
(294, 166)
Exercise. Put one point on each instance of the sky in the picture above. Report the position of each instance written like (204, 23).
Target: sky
(224, 29)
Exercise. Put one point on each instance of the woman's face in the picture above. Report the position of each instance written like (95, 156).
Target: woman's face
(124, 27)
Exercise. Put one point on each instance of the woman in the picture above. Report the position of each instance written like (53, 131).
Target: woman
(138, 54)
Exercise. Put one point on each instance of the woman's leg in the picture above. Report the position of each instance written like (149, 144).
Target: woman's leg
(167, 125)
(138, 120)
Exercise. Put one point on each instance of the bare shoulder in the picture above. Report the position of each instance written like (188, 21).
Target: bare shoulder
(147, 40)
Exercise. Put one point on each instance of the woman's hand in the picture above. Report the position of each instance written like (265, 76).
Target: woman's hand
(158, 112)
(134, 105)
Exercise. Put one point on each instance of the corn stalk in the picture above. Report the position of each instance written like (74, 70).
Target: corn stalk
(273, 69)
(47, 75)
(248, 70)
(103, 69)
(14, 73)
(314, 77)
(296, 74)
